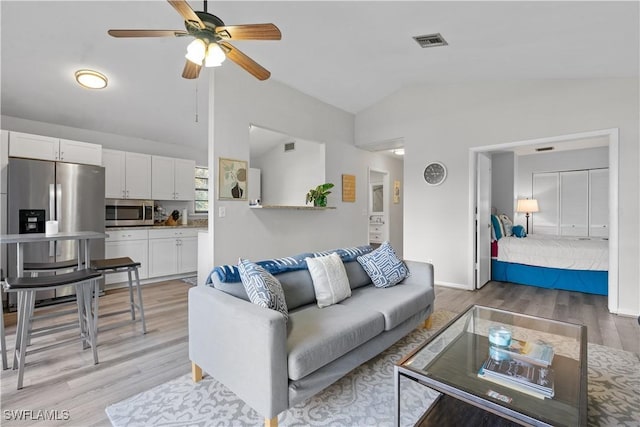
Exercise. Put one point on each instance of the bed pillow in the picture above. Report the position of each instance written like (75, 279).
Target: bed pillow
(329, 277)
(384, 267)
(498, 229)
(263, 289)
(507, 225)
(518, 231)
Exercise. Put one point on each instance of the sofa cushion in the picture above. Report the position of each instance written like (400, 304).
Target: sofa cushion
(263, 289)
(396, 304)
(329, 279)
(383, 266)
(356, 274)
(318, 336)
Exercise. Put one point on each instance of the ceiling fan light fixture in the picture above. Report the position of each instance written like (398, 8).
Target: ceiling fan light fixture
(91, 79)
(196, 51)
(215, 56)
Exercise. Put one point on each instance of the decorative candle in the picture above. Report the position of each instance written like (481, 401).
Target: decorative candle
(499, 336)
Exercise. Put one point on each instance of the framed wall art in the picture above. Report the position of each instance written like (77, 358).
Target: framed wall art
(232, 179)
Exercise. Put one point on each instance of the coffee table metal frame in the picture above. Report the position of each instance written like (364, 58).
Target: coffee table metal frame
(494, 406)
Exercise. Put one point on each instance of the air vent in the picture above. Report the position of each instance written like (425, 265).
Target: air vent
(289, 146)
(544, 149)
(431, 40)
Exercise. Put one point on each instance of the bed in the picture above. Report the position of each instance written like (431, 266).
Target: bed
(554, 262)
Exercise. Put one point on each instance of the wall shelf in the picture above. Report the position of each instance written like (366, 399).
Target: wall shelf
(299, 208)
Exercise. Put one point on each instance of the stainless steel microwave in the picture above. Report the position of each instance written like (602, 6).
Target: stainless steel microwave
(128, 212)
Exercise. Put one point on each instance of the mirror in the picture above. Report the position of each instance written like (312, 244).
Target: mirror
(377, 198)
(288, 167)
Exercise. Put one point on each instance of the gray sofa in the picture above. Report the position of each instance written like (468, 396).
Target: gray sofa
(273, 365)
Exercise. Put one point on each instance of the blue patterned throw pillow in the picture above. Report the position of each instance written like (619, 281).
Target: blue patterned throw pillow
(383, 266)
(263, 289)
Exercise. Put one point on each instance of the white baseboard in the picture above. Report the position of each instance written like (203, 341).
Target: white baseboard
(626, 313)
(454, 285)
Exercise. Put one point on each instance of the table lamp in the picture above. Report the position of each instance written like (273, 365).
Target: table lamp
(527, 206)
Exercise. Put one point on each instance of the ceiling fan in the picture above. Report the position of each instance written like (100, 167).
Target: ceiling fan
(211, 44)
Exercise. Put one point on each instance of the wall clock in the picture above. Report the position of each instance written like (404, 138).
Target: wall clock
(435, 173)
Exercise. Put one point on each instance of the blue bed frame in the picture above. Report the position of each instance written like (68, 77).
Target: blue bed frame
(591, 282)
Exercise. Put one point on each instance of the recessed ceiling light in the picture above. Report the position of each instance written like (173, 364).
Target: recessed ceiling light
(398, 151)
(91, 79)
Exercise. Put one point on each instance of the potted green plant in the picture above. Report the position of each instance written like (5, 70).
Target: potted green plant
(319, 194)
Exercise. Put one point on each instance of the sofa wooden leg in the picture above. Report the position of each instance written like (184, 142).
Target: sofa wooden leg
(428, 322)
(196, 372)
(273, 422)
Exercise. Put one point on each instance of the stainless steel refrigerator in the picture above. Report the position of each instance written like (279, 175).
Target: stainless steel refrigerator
(70, 193)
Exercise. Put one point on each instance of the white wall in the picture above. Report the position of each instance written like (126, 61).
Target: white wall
(443, 122)
(288, 176)
(108, 140)
(240, 99)
(527, 165)
(502, 183)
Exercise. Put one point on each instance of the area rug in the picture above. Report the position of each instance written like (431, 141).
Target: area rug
(193, 280)
(365, 397)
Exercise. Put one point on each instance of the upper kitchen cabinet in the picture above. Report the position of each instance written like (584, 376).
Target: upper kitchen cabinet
(48, 148)
(127, 175)
(173, 179)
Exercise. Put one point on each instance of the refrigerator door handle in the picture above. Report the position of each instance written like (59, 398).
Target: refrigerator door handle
(52, 210)
(58, 203)
(52, 201)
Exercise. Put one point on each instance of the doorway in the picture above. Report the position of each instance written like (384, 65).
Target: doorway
(475, 225)
(378, 207)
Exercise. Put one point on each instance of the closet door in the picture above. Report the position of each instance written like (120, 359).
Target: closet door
(599, 202)
(546, 191)
(574, 203)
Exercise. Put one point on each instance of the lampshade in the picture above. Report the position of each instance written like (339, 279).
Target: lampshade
(215, 56)
(527, 206)
(91, 79)
(196, 51)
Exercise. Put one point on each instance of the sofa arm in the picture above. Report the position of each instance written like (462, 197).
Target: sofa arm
(421, 273)
(241, 345)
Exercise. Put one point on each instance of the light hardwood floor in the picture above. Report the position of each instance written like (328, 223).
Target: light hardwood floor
(65, 378)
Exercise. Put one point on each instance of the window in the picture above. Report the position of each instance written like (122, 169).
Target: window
(202, 189)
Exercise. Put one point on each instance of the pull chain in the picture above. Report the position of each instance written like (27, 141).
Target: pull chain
(196, 102)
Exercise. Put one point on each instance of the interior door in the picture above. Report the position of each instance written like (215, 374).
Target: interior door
(483, 220)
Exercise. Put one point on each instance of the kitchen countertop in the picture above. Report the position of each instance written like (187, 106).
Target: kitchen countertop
(155, 227)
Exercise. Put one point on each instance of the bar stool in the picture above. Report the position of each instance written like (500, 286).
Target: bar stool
(120, 265)
(86, 284)
(3, 342)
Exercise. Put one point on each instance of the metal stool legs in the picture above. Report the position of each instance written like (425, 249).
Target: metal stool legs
(140, 305)
(3, 342)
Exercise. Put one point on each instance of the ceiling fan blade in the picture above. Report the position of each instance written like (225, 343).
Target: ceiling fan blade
(249, 32)
(147, 33)
(191, 70)
(245, 62)
(187, 13)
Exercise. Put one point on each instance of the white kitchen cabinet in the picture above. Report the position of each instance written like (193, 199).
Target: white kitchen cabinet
(172, 179)
(127, 175)
(80, 152)
(56, 149)
(172, 251)
(128, 243)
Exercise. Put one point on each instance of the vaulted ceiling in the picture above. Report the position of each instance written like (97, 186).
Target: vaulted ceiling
(350, 54)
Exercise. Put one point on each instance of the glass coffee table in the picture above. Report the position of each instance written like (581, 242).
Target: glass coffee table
(449, 363)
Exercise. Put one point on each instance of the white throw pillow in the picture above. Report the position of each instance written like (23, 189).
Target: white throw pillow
(330, 280)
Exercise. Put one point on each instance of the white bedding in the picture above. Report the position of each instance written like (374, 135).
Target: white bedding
(570, 253)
